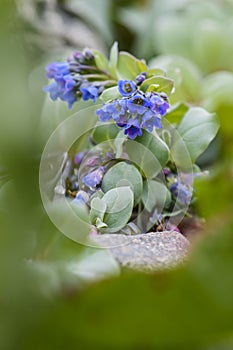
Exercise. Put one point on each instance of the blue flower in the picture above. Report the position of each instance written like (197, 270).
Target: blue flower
(78, 56)
(135, 112)
(108, 111)
(57, 69)
(151, 120)
(140, 78)
(89, 91)
(79, 157)
(94, 178)
(182, 192)
(62, 88)
(126, 87)
(133, 129)
(138, 104)
(81, 197)
(158, 104)
(53, 90)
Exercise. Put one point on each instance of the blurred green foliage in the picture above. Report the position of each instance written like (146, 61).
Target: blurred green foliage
(46, 298)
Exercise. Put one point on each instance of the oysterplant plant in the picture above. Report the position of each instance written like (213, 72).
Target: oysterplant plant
(136, 171)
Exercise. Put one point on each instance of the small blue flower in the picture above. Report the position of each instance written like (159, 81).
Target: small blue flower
(57, 69)
(70, 98)
(158, 104)
(82, 196)
(108, 111)
(53, 90)
(140, 78)
(133, 129)
(126, 87)
(151, 120)
(79, 157)
(62, 88)
(138, 104)
(89, 92)
(78, 56)
(182, 192)
(122, 121)
(94, 178)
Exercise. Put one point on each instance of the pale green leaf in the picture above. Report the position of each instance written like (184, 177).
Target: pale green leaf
(176, 112)
(109, 94)
(113, 59)
(104, 132)
(98, 208)
(119, 203)
(100, 60)
(155, 195)
(161, 84)
(149, 152)
(196, 130)
(119, 142)
(129, 67)
(123, 174)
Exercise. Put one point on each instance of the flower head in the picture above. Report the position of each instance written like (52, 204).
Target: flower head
(181, 192)
(140, 78)
(81, 197)
(57, 69)
(138, 104)
(151, 120)
(94, 178)
(89, 91)
(132, 113)
(62, 88)
(79, 157)
(126, 87)
(133, 128)
(158, 104)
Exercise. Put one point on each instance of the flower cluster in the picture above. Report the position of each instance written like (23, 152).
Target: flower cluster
(92, 169)
(180, 185)
(74, 79)
(136, 110)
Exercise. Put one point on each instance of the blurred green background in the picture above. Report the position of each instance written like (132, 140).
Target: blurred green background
(52, 295)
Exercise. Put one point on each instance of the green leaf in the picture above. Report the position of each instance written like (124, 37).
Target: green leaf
(176, 112)
(196, 131)
(104, 132)
(141, 66)
(98, 208)
(119, 142)
(123, 174)
(129, 66)
(72, 269)
(217, 92)
(197, 294)
(156, 71)
(110, 94)
(100, 60)
(155, 195)
(119, 203)
(81, 209)
(186, 76)
(113, 59)
(148, 152)
(161, 84)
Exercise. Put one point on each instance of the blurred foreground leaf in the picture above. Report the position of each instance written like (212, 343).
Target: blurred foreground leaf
(189, 308)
